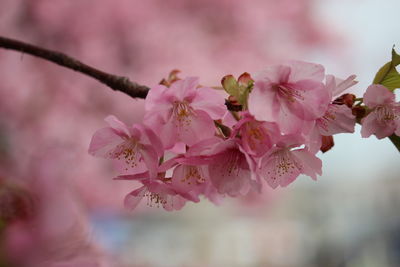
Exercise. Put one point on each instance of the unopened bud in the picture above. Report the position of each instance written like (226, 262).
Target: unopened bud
(359, 112)
(327, 143)
(345, 99)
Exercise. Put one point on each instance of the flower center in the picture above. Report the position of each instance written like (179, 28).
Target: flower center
(284, 164)
(182, 112)
(257, 135)
(193, 175)
(385, 114)
(232, 163)
(324, 121)
(128, 152)
(154, 199)
(289, 93)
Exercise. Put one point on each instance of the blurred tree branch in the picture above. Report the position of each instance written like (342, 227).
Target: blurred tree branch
(117, 83)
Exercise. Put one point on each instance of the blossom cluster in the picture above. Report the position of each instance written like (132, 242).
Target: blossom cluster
(193, 142)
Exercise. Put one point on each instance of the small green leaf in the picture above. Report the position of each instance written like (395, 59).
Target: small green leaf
(230, 85)
(395, 57)
(240, 88)
(381, 74)
(387, 75)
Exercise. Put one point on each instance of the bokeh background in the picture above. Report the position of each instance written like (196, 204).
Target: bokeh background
(59, 206)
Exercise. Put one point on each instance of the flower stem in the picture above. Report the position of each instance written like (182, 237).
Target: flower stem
(395, 140)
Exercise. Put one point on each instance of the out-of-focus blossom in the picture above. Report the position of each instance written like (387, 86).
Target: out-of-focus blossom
(384, 117)
(57, 230)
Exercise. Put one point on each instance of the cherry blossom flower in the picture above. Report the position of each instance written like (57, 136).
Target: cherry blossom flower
(158, 192)
(289, 95)
(338, 118)
(135, 148)
(284, 163)
(229, 167)
(183, 112)
(194, 180)
(257, 137)
(384, 117)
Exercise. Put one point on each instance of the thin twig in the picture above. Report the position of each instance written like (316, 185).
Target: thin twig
(117, 83)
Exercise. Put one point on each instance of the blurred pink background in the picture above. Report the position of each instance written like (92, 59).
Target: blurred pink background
(76, 216)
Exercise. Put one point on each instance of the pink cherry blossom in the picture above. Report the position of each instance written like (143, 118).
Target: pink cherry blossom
(229, 167)
(284, 163)
(183, 112)
(384, 118)
(135, 148)
(289, 95)
(158, 192)
(337, 118)
(257, 137)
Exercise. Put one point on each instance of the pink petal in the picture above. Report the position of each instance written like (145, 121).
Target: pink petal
(103, 142)
(158, 100)
(169, 133)
(371, 125)
(133, 198)
(185, 89)
(150, 158)
(279, 168)
(149, 137)
(385, 130)
(342, 85)
(314, 101)
(230, 173)
(288, 122)
(117, 125)
(258, 137)
(199, 127)
(263, 102)
(138, 177)
(169, 164)
(291, 140)
(377, 94)
(186, 179)
(210, 101)
(204, 147)
(337, 119)
(310, 164)
(274, 74)
(305, 71)
(314, 140)
(175, 202)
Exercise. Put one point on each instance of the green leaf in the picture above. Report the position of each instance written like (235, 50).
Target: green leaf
(230, 85)
(387, 75)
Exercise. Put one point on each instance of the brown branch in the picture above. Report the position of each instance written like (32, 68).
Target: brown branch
(117, 83)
